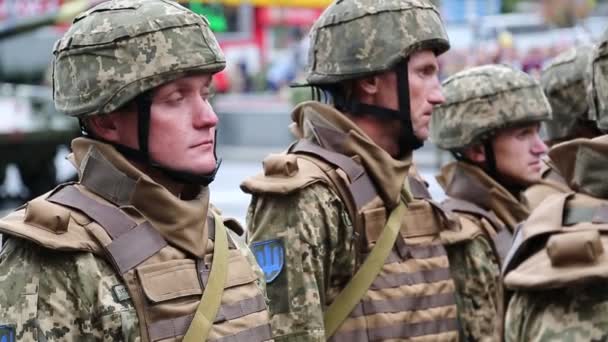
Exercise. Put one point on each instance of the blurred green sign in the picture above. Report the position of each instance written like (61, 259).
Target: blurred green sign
(213, 12)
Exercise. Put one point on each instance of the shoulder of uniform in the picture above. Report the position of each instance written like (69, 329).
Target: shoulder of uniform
(284, 174)
(51, 226)
(468, 228)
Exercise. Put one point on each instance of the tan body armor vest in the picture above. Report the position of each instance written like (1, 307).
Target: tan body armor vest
(500, 236)
(551, 183)
(164, 283)
(413, 295)
(563, 243)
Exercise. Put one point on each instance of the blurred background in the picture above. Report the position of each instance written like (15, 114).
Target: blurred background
(265, 42)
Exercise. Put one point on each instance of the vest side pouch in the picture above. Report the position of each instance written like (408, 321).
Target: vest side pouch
(420, 220)
(374, 221)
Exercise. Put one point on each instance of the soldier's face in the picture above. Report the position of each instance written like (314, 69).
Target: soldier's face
(182, 125)
(425, 90)
(518, 151)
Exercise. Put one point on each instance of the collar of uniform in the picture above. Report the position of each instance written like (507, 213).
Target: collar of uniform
(470, 183)
(182, 223)
(332, 130)
(583, 164)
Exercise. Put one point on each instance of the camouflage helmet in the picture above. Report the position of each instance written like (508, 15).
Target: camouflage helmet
(122, 48)
(598, 89)
(483, 99)
(354, 39)
(565, 81)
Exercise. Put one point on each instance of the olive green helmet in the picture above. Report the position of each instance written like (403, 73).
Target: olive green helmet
(598, 90)
(565, 80)
(483, 99)
(353, 39)
(120, 49)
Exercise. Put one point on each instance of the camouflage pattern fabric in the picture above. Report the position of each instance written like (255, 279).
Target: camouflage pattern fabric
(476, 273)
(56, 296)
(565, 80)
(341, 52)
(577, 313)
(598, 91)
(315, 228)
(122, 48)
(481, 100)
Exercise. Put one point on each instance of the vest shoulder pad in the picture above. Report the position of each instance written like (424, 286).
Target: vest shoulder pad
(50, 225)
(560, 245)
(284, 174)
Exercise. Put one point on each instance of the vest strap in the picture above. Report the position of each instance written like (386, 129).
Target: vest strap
(348, 298)
(212, 295)
(503, 239)
(123, 230)
(361, 186)
(418, 189)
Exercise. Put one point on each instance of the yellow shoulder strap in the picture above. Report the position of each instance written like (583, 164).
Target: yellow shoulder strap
(363, 279)
(212, 295)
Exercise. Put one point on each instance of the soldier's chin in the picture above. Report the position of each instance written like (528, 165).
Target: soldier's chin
(422, 134)
(202, 166)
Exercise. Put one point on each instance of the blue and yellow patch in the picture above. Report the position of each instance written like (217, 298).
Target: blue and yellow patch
(7, 333)
(270, 255)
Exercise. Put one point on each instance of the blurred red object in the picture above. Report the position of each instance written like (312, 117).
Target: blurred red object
(221, 81)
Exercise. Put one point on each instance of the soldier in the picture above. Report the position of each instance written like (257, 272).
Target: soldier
(125, 253)
(565, 81)
(557, 265)
(343, 256)
(490, 123)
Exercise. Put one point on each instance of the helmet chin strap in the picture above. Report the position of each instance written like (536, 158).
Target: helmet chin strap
(144, 106)
(408, 141)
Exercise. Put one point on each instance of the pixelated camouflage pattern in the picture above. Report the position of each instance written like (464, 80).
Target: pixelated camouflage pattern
(122, 48)
(598, 91)
(474, 261)
(356, 38)
(319, 257)
(565, 80)
(56, 296)
(475, 269)
(578, 313)
(481, 100)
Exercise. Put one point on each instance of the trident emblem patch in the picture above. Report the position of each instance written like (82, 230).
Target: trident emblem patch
(270, 255)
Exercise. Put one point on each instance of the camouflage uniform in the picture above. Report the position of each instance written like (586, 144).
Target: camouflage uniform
(557, 266)
(117, 256)
(480, 101)
(298, 209)
(565, 80)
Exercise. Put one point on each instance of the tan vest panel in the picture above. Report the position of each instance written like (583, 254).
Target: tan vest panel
(413, 296)
(164, 284)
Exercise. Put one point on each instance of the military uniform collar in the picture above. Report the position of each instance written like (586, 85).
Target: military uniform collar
(105, 172)
(470, 183)
(332, 130)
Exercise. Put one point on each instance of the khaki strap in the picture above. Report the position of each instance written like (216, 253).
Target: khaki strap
(354, 291)
(212, 296)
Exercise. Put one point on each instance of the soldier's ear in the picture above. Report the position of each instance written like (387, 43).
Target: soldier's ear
(475, 153)
(105, 127)
(367, 86)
